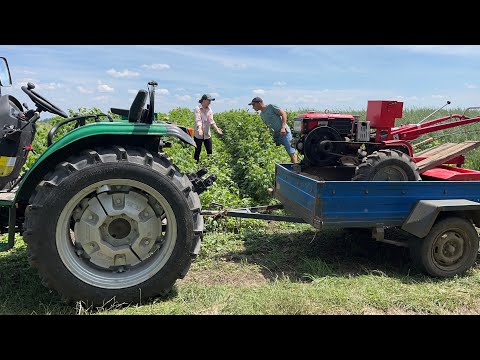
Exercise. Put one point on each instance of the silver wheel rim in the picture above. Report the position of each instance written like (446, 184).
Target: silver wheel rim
(116, 233)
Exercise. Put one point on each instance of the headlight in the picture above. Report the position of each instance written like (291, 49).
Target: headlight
(298, 126)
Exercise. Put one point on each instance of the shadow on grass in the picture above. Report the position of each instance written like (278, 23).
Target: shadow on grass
(304, 256)
(22, 292)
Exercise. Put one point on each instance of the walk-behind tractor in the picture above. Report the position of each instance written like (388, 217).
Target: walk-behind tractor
(104, 214)
(374, 149)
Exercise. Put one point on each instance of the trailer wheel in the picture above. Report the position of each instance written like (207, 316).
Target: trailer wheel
(449, 249)
(387, 165)
(113, 224)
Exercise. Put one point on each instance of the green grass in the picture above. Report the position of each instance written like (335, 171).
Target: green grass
(279, 269)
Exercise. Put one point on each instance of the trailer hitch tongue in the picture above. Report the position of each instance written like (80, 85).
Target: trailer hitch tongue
(199, 184)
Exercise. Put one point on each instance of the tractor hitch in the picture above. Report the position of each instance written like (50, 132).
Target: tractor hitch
(199, 184)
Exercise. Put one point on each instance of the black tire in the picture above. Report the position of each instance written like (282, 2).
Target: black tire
(147, 186)
(387, 165)
(449, 249)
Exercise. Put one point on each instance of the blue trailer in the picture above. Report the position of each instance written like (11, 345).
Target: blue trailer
(441, 215)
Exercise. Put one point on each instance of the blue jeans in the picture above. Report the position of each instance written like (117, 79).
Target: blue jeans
(285, 141)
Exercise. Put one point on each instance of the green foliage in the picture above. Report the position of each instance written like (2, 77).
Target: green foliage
(250, 143)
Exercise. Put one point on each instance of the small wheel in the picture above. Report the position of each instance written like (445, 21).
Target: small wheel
(387, 165)
(449, 249)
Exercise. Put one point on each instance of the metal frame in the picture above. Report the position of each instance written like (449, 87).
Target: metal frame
(255, 212)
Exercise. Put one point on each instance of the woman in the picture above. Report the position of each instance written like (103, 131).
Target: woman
(203, 121)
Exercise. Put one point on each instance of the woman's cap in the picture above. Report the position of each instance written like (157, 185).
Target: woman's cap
(206, 97)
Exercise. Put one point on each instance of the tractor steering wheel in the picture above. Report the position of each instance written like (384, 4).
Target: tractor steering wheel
(42, 103)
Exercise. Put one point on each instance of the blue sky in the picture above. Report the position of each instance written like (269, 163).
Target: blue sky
(291, 76)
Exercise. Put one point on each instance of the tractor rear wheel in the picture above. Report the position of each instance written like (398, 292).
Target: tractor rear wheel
(113, 224)
(387, 165)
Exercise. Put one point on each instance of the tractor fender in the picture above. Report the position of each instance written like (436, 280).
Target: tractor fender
(425, 212)
(88, 136)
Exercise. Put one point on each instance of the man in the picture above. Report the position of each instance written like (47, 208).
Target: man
(276, 119)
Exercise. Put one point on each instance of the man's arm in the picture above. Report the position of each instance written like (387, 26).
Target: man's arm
(283, 116)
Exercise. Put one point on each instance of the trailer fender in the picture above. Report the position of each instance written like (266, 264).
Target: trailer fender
(425, 213)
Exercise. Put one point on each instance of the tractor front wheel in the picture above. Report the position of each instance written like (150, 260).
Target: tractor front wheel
(113, 224)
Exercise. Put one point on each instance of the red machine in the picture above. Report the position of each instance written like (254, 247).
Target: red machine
(331, 139)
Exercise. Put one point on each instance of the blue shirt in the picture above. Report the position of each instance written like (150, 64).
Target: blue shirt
(271, 117)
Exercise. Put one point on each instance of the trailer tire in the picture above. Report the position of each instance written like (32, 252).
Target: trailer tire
(113, 225)
(387, 165)
(449, 249)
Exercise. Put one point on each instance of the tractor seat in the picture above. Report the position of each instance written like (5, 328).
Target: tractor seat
(138, 105)
(137, 110)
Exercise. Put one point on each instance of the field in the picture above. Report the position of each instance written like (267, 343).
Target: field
(259, 267)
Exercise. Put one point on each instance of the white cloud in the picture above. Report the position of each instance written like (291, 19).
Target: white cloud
(459, 50)
(122, 74)
(234, 65)
(259, 92)
(184, 97)
(162, 91)
(279, 83)
(438, 96)
(227, 101)
(51, 86)
(132, 91)
(470, 86)
(101, 98)
(38, 84)
(27, 72)
(104, 88)
(156, 66)
(24, 81)
(84, 90)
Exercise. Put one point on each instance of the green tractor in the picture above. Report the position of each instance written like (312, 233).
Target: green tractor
(104, 214)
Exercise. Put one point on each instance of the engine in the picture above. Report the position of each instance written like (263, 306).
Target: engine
(326, 138)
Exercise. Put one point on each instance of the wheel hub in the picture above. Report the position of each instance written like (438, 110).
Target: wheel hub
(118, 229)
(449, 248)
(390, 173)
